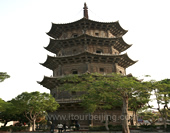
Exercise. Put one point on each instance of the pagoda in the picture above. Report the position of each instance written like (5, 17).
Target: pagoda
(80, 47)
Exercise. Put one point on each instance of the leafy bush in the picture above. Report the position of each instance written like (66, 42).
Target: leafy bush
(19, 128)
(97, 128)
(103, 128)
(13, 128)
(167, 129)
(132, 127)
(148, 126)
(115, 127)
(4, 128)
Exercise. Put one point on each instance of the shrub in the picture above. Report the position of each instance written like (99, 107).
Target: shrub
(132, 127)
(4, 128)
(103, 128)
(97, 128)
(13, 128)
(148, 126)
(115, 127)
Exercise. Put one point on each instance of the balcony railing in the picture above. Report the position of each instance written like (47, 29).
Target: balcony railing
(70, 100)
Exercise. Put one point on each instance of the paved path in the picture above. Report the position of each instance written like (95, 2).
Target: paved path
(135, 131)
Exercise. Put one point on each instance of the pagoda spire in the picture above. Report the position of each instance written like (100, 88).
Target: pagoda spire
(85, 11)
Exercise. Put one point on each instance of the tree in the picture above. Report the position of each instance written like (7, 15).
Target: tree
(137, 103)
(97, 96)
(8, 114)
(106, 89)
(151, 116)
(3, 76)
(2, 105)
(162, 94)
(33, 105)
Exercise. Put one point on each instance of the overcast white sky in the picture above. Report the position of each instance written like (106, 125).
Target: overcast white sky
(24, 24)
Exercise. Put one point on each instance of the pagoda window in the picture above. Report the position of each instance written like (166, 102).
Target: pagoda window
(97, 34)
(73, 93)
(64, 35)
(74, 72)
(101, 69)
(99, 51)
(74, 51)
(75, 35)
(59, 53)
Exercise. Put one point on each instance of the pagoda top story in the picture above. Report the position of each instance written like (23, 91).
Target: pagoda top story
(85, 23)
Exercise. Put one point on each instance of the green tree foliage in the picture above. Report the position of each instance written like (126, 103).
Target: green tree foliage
(3, 76)
(5, 115)
(106, 91)
(151, 116)
(34, 105)
(8, 114)
(2, 105)
(137, 103)
(162, 94)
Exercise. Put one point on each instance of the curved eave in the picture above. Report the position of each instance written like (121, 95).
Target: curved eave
(49, 82)
(54, 32)
(121, 45)
(125, 61)
(114, 27)
(122, 60)
(118, 30)
(118, 43)
(50, 63)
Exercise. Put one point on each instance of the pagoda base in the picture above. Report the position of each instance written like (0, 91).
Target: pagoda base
(72, 114)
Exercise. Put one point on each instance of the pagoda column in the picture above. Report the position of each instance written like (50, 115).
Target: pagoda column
(115, 68)
(60, 70)
(87, 67)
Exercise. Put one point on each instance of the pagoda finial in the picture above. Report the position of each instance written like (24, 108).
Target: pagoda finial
(85, 11)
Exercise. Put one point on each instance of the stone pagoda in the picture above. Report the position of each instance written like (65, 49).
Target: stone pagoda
(79, 47)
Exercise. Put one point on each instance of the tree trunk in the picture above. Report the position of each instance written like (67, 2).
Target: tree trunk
(166, 117)
(5, 123)
(136, 120)
(30, 127)
(34, 125)
(165, 124)
(124, 117)
(106, 121)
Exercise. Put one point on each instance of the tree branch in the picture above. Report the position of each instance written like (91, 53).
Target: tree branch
(27, 117)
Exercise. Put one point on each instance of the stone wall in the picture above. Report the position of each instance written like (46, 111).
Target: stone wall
(120, 70)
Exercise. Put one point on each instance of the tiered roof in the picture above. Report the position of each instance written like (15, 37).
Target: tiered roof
(85, 24)
(85, 56)
(118, 43)
(52, 82)
(122, 60)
